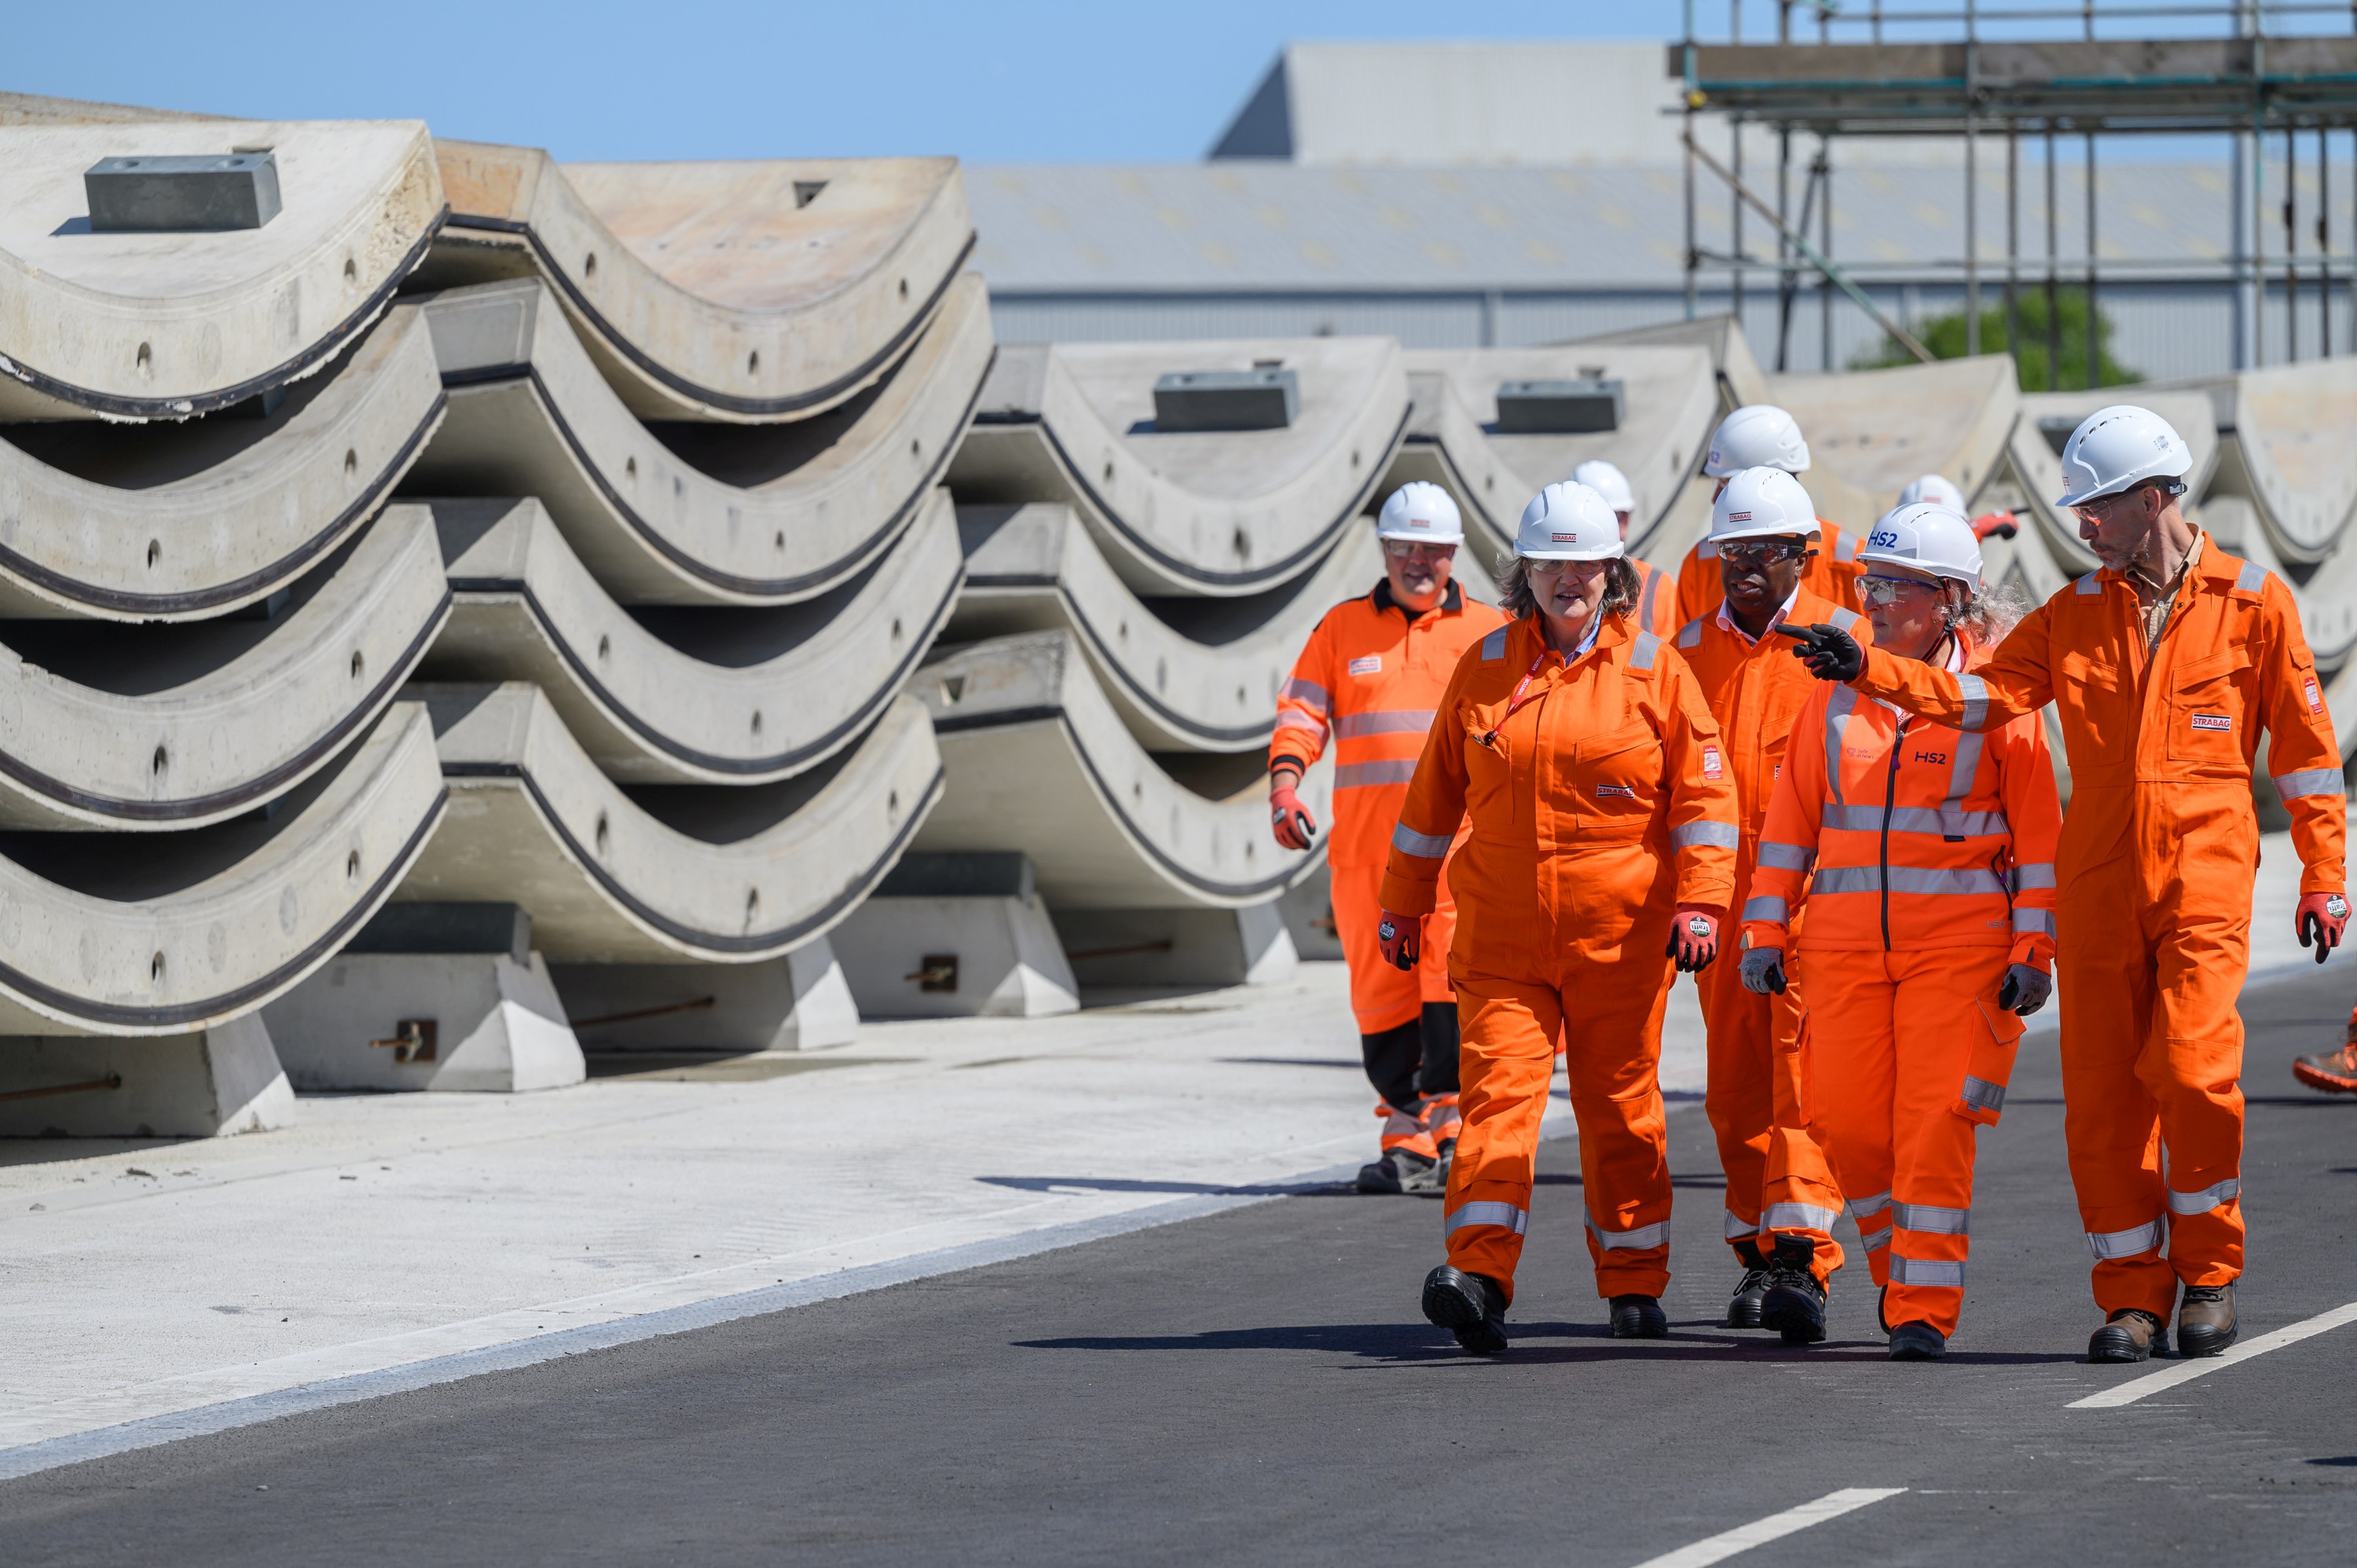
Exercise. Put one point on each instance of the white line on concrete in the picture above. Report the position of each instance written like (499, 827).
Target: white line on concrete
(2186, 1371)
(1775, 1526)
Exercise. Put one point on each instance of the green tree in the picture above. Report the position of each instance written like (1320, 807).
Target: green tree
(1944, 335)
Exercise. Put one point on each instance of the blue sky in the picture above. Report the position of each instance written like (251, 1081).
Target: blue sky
(1110, 81)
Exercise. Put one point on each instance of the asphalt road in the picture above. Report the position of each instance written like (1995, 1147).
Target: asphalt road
(1258, 1387)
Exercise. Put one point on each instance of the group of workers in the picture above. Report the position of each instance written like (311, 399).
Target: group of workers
(1827, 753)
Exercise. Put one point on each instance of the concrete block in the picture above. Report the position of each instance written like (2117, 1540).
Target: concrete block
(798, 1002)
(445, 1021)
(1575, 406)
(1250, 946)
(1266, 397)
(182, 194)
(214, 1083)
(993, 955)
(1308, 911)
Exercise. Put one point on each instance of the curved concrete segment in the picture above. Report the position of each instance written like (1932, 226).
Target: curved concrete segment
(743, 292)
(2284, 444)
(713, 696)
(1222, 514)
(1453, 438)
(170, 522)
(1039, 761)
(179, 726)
(1740, 379)
(727, 875)
(693, 514)
(1873, 432)
(123, 935)
(164, 325)
(1185, 675)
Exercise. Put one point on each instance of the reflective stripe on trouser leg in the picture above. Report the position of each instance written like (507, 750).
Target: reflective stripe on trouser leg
(1922, 1273)
(1798, 1194)
(1505, 1060)
(1612, 1059)
(1740, 1094)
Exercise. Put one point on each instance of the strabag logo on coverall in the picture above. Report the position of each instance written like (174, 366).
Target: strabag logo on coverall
(2221, 722)
(1367, 665)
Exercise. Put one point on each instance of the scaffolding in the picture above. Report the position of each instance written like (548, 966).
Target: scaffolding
(2041, 75)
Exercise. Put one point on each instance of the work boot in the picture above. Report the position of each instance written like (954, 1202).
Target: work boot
(1794, 1303)
(1639, 1317)
(1743, 1307)
(2130, 1336)
(1917, 1342)
(1882, 1308)
(1471, 1306)
(1400, 1170)
(2205, 1320)
(2334, 1071)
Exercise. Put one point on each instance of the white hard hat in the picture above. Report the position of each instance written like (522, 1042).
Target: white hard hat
(1420, 510)
(1934, 489)
(1760, 436)
(1926, 537)
(1606, 481)
(1568, 521)
(2118, 446)
(1761, 503)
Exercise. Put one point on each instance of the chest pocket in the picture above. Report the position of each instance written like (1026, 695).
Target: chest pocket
(1614, 780)
(2099, 713)
(2209, 711)
(1490, 792)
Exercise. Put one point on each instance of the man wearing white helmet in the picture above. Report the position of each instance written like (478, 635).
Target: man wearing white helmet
(1763, 527)
(1761, 435)
(1657, 591)
(1923, 858)
(1370, 676)
(2164, 666)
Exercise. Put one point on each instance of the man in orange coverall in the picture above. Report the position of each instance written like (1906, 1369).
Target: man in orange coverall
(2164, 666)
(1761, 435)
(1762, 523)
(1926, 856)
(1602, 822)
(1370, 676)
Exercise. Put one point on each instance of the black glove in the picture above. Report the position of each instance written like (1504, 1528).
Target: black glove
(1831, 653)
(2025, 990)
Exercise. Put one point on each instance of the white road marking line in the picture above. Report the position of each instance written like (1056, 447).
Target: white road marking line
(1775, 1526)
(2151, 1384)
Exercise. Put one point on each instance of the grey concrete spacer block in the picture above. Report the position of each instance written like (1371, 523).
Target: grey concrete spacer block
(1003, 958)
(216, 1083)
(182, 194)
(434, 927)
(1266, 397)
(497, 1025)
(799, 1002)
(1568, 407)
(1178, 947)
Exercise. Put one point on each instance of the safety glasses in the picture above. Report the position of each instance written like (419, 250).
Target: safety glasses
(1412, 549)
(1878, 590)
(1763, 552)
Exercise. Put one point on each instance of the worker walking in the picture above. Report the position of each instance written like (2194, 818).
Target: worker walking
(1601, 852)
(1761, 435)
(1761, 526)
(1369, 677)
(1657, 591)
(1924, 858)
(2163, 666)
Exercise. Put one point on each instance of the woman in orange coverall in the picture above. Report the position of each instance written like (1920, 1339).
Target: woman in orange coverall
(1601, 849)
(1925, 856)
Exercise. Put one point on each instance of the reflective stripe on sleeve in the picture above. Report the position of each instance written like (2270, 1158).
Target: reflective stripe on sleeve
(1928, 881)
(1786, 856)
(2310, 781)
(1505, 1216)
(1393, 721)
(1425, 846)
(1723, 834)
(1690, 634)
(1738, 1228)
(1913, 820)
(1294, 718)
(1846, 620)
(1493, 647)
(1657, 1234)
(1980, 1092)
(1975, 693)
(1939, 1273)
(2040, 874)
(2252, 578)
(2125, 1243)
(1837, 710)
(2208, 1199)
(1642, 648)
(1767, 908)
(1309, 695)
(2027, 922)
(1932, 1220)
(1797, 1216)
(1361, 775)
(1846, 551)
(2091, 585)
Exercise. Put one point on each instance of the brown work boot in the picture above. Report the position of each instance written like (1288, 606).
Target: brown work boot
(2205, 1320)
(2129, 1335)
(2334, 1071)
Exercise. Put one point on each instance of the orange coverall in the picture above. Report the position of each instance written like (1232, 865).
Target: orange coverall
(1599, 802)
(2155, 869)
(1657, 598)
(1752, 1092)
(1831, 573)
(1933, 857)
(1370, 676)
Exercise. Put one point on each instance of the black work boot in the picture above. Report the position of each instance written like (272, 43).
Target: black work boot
(2205, 1320)
(1743, 1307)
(1471, 1306)
(1917, 1342)
(1401, 1170)
(1794, 1303)
(1639, 1317)
(2129, 1335)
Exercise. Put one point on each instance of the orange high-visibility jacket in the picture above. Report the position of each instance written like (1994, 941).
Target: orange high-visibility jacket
(1920, 836)
(2160, 746)
(1756, 691)
(1599, 801)
(1831, 573)
(1657, 598)
(1372, 676)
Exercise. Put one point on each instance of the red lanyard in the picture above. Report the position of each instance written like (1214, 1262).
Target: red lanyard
(1490, 736)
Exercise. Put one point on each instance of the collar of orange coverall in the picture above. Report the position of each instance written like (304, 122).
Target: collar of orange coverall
(1528, 641)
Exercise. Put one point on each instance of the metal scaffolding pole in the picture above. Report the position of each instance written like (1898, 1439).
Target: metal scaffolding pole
(1825, 245)
(2013, 243)
(2054, 261)
(1972, 186)
(2291, 245)
(2095, 334)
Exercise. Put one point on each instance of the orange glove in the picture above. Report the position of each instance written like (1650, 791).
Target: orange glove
(1401, 939)
(1995, 524)
(1693, 938)
(2322, 917)
(1287, 817)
